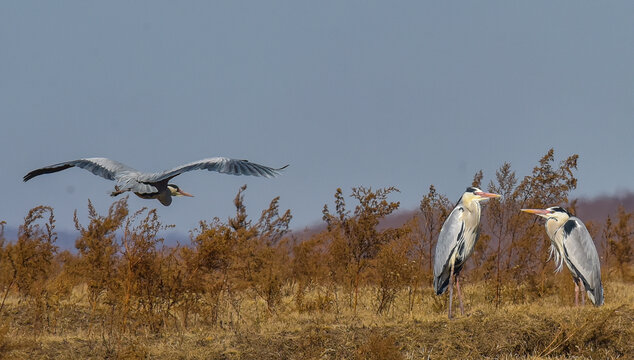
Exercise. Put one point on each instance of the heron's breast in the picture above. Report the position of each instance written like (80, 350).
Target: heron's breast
(147, 196)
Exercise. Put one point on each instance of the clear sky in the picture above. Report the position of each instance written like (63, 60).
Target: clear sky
(349, 93)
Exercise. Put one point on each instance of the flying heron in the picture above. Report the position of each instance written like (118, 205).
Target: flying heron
(571, 243)
(155, 185)
(456, 241)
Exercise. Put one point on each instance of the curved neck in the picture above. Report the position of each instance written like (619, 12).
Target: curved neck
(553, 224)
(472, 215)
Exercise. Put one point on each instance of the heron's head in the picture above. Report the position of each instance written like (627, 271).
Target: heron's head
(474, 194)
(176, 191)
(556, 213)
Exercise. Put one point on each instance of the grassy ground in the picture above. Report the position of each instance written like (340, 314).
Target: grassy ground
(544, 328)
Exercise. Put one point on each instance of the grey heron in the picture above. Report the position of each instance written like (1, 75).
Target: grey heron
(456, 241)
(156, 185)
(571, 243)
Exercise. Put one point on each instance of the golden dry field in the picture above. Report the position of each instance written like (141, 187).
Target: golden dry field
(543, 329)
(357, 288)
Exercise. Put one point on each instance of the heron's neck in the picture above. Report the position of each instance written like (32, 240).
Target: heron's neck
(472, 214)
(554, 231)
(554, 224)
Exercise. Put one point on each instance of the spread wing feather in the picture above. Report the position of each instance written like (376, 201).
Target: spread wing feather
(219, 164)
(106, 168)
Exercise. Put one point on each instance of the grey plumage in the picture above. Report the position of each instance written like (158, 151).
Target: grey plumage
(572, 244)
(155, 185)
(220, 164)
(451, 234)
(582, 259)
(456, 241)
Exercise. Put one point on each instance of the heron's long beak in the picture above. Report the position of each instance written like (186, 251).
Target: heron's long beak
(536, 211)
(487, 195)
(184, 193)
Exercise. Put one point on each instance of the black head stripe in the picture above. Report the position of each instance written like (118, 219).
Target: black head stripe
(174, 186)
(472, 189)
(560, 209)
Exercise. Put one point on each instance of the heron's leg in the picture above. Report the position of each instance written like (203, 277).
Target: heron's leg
(459, 295)
(576, 294)
(117, 191)
(582, 290)
(450, 289)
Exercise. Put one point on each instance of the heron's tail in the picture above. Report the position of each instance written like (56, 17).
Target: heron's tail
(596, 295)
(441, 282)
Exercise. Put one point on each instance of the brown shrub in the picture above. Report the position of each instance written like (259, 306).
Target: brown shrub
(31, 261)
(98, 247)
(237, 256)
(142, 267)
(356, 238)
(620, 251)
(394, 269)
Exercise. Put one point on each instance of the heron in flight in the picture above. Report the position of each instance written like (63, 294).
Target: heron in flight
(571, 243)
(156, 185)
(456, 241)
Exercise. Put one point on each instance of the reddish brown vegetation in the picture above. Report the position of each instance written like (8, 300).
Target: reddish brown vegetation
(134, 284)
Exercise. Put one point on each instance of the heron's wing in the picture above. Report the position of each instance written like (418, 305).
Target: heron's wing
(582, 254)
(106, 168)
(219, 164)
(447, 240)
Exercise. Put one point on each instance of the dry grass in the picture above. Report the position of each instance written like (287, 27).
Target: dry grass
(243, 289)
(545, 328)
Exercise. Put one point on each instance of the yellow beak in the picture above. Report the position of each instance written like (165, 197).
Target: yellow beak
(487, 195)
(184, 193)
(536, 211)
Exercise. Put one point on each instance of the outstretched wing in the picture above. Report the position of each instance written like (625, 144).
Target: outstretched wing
(582, 254)
(219, 164)
(106, 168)
(446, 245)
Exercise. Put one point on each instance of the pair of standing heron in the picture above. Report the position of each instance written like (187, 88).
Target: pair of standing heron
(571, 244)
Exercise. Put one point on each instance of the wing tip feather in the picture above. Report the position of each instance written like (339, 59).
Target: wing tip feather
(45, 170)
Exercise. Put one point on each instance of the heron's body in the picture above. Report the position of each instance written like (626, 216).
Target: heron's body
(155, 185)
(457, 240)
(163, 193)
(572, 244)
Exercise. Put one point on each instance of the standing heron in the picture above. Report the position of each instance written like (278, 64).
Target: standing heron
(571, 243)
(156, 185)
(456, 241)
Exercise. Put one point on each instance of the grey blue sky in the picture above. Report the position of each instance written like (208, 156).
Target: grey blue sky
(402, 93)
